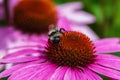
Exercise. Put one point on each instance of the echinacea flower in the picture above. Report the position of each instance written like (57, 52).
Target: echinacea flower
(71, 11)
(65, 55)
(34, 16)
(75, 24)
(13, 38)
(71, 8)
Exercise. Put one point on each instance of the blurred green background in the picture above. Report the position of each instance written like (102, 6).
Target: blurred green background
(107, 13)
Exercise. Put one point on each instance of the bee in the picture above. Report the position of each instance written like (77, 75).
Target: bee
(55, 33)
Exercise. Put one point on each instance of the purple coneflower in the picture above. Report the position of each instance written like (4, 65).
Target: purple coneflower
(71, 11)
(10, 36)
(65, 55)
(13, 38)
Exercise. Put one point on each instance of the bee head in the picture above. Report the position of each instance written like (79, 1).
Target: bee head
(55, 34)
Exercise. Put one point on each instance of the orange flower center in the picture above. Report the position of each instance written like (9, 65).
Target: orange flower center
(74, 49)
(34, 16)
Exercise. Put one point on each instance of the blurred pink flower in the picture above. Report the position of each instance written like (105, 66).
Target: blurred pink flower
(76, 59)
(67, 12)
(73, 12)
(78, 19)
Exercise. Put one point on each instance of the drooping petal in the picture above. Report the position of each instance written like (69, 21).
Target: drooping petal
(8, 72)
(41, 73)
(11, 70)
(106, 41)
(37, 39)
(20, 59)
(63, 23)
(30, 41)
(90, 75)
(80, 75)
(5, 33)
(106, 56)
(25, 70)
(25, 76)
(24, 47)
(22, 52)
(105, 71)
(80, 17)
(70, 74)
(59, 73)
(111, 62)
(108, 48)
(69, 7)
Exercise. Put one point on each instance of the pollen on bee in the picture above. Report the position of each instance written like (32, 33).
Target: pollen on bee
(34, 16)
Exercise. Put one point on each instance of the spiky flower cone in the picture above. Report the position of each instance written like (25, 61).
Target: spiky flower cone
(34, 16)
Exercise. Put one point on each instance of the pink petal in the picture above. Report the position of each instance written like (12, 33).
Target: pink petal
(27, 42)
(59, 73)
(109, 48)
(112, 62)
(8, 72)
(24, 71)
(20, 59)
(105, 71)
(90, 75)
(22, 52)
(106, 56)
(69, 7)
(79, 75)
(63, 23)
(44, 73)
(80, 17)
(18, 49)
(26, 76)
(74, 74)
(23, 47)
(37, 39)
(85, 30)
(70, 74)
(5, 34)
(106, 41)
